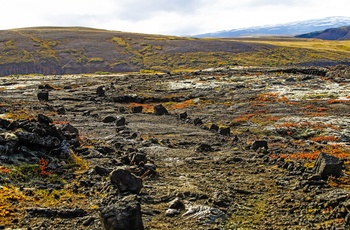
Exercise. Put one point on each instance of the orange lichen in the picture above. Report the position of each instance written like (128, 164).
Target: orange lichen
(182, 105)
(315, 114)
(300, 155)
(43, 167)
(269, 118)
(271, 97)
(267, 97)
(243, 118)
(337, 101)
(322, 109)
(60, 122)
(335, 150)
(324, 138)
(287, 125)
(147, 108)
(4, 170)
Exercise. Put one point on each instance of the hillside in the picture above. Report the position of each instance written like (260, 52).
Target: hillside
(287, 29)
(85, 50)
(60, 50)
(340, 33)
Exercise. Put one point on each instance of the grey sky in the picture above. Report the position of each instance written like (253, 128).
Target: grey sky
(173, 17)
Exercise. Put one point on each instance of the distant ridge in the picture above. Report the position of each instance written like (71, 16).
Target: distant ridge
(340, 33)
(287, 29)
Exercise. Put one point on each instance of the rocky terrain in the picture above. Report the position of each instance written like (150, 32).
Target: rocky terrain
(227, 148)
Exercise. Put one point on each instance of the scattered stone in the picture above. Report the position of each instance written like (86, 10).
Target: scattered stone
(172, 212)
(46, 86)
(43, 96)
(328, 165)
(121, 109)
(44, 119)
(197, 121)
(176, 204)
(183, 116)
(137, 158)
(160, 110)
(109, 119)
(61, 110)
(70, 129)
(204, 148)
(86, 113)
(259, 144)
(120, 121)
(225, 131)
(204, 214)
(290, 79)
(101, 170)
(126, 181)
(214, 127)
(100, 91)
(137, 109)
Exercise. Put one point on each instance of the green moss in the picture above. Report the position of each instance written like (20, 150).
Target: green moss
(96, 60)
(120, 42)
(24, 172)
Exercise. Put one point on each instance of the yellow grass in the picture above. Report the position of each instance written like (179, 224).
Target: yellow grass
(314, 44)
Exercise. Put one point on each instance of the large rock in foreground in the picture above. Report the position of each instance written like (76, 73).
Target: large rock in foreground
(123, 215)
(328, 165)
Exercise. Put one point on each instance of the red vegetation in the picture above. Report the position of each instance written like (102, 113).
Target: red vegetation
(43, 167)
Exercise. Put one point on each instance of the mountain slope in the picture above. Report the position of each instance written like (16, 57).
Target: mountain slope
(340, 33)
(61, 50)
(288, 29)
(76, 50)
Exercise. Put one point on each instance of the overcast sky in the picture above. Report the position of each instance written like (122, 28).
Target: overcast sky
(172, 17)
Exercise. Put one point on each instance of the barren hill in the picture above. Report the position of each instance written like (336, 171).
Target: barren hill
(63, 50)
(84, 50)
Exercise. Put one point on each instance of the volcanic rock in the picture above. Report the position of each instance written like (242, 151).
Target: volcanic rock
(328, 165)
(225, 131)
(137, 109)
(126, 181)
(100, 91)
(43, 96)
(214, 127)
(120, 121)
(123, 215)
(183, 116)
(259, 144)
(160, 110)
(109, 119)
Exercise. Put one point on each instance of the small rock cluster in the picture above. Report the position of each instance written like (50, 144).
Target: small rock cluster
(26, 141)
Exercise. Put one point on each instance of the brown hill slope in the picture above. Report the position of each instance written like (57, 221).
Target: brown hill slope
(340, 33)
(70, 50)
